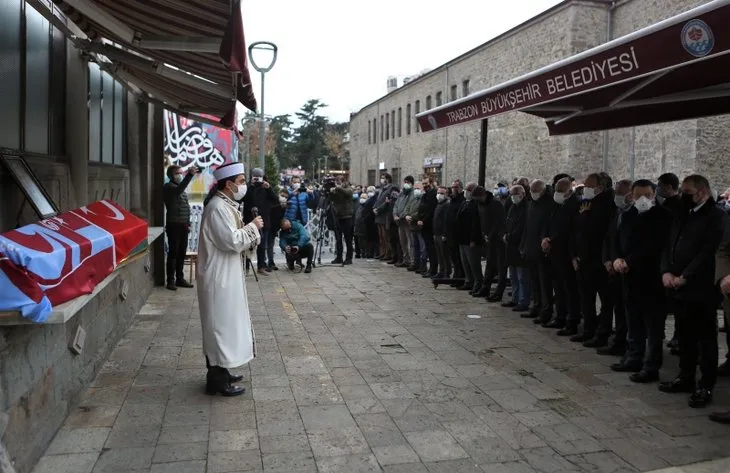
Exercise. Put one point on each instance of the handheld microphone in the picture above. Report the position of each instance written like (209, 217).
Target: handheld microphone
(254, 212)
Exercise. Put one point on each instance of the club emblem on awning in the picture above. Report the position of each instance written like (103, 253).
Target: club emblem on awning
(697, 38)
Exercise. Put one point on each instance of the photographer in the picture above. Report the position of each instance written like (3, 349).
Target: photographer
(177, 223)
(294, 240)
(343, 209)
(260, 198)
(300, 199)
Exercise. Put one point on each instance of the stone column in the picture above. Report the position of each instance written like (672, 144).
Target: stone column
(134, 155)
(77, 126)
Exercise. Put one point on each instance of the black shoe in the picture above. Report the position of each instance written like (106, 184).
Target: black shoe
(290, 266)
(540, 321)
(700, 398)
(466, 287)
(494, 298)
(399, 264)
(644, 377)
(183, 283)
(555, 323)
(171, 286)
(580, 338)
(622, 367)
(720, 417)
(614, 349)
(568, 331)
(677, 385)
(509, 304)
(411, 267)
(483, 292)
(336, 261)
(308, 269)
(393, 262)
(596, 342)
(234, 378)
(273, 267)
(724, 369)
(217, 382)
(347, 261)
(519, 308)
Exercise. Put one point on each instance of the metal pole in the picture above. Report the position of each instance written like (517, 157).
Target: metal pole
(483, 151)
(262, 128)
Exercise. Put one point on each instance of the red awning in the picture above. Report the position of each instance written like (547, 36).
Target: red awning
(676, 69)
(202, 41)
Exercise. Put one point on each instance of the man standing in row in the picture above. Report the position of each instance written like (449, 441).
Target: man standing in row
(177, 224)
(258, 202)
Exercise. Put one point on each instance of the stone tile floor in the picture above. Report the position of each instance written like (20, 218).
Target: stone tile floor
(369, 369)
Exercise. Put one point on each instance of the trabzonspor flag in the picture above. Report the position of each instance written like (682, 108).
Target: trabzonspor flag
(55, 260)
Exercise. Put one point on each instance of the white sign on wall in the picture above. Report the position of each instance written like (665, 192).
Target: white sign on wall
(381, 166)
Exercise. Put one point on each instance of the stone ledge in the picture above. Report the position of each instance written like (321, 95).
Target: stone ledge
(62, 313)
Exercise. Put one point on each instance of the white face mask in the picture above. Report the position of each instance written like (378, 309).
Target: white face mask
(363, 200)
(370, 194)
(559, 198)
(441, 197)
(382, 181)
(467, 195)
(177, 178)
(282, 199)
(643, 204)
(621, 202)
(589, 193)
(241, 192)
(536, 195)
(406, 186)
(417, 192)
(516, 199)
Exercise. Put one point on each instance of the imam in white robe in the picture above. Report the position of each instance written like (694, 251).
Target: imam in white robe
(228, 339)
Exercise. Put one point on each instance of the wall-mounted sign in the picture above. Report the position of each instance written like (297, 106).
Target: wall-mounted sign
(381, 166)
(433, 162)
(427, 162)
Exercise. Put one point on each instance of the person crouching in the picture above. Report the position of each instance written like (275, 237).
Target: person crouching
(294, 240)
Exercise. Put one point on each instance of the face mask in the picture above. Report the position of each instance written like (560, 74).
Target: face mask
(256, 180)
(688, 201)
(177, 178)
(240, 192)
(363, 200)
(440, 197)
(559, 198)
(536, 195)
(467, 195)
(659, 199)
(589, 193)
(643, 204)
(417, 192)
(370, 194)
(621, 202)
(356, 196)
(282, 200)
(516, 199)
(382, 181)
(407, 187)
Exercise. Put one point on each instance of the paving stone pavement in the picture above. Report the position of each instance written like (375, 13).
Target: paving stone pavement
(368, 368)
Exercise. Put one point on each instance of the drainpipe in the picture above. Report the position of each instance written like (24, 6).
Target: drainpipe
(609, 37)
(446, 130)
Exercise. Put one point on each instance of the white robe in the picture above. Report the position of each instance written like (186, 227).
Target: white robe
(228, 339)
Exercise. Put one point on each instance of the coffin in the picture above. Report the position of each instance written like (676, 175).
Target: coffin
(55, 260)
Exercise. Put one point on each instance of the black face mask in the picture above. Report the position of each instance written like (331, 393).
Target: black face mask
(688, 201)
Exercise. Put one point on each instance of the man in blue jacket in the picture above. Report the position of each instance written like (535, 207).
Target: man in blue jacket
(294, 240)
(299, 200)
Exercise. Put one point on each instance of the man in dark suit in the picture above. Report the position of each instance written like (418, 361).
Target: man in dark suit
(635, 254)
(667, 191)
(722, 277)
(688, 272)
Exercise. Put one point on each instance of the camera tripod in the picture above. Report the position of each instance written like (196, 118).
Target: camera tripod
(324, 210)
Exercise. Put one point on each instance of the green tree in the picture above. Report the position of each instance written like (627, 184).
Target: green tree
(280, 126)
(309, 137)
(337, 150)
(272, 172)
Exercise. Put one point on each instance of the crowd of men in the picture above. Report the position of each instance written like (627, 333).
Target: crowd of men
(601, 264)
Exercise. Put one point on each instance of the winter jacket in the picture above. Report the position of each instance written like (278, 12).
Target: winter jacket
(176, 201)
(343, 204)
(298, 208)
(296, 236)
(514, 230)
(440, 215)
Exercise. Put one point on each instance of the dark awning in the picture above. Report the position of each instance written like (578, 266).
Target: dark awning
(676, 69)
(187, 55)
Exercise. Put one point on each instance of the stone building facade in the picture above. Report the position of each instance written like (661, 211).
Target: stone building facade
(385, 135)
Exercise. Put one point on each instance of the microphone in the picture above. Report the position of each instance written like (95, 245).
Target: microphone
(254, 212)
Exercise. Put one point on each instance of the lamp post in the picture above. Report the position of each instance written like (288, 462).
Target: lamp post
(268, 46)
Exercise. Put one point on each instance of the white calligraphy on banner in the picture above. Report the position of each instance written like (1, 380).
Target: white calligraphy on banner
(191, 146)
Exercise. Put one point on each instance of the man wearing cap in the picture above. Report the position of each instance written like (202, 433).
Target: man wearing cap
(227, 334)
(259, 200)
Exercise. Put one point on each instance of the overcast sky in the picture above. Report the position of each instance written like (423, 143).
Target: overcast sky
(342, 53)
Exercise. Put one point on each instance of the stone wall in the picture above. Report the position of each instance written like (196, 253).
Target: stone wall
(518, 144)
(41, 379)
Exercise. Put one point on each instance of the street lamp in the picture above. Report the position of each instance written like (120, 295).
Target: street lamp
(268, 46)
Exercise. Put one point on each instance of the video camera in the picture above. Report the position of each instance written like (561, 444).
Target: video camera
(328, 184)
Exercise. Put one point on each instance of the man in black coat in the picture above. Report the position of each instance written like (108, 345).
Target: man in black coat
(469, 236)
(455, 201)
(636, 251)
(518, 271)
(440, 233)
(594, 217)
(260, 198)
(426, 209)
(688, 272)
(557, 244)
(493, 219)
(539, 210)
(667, 190)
